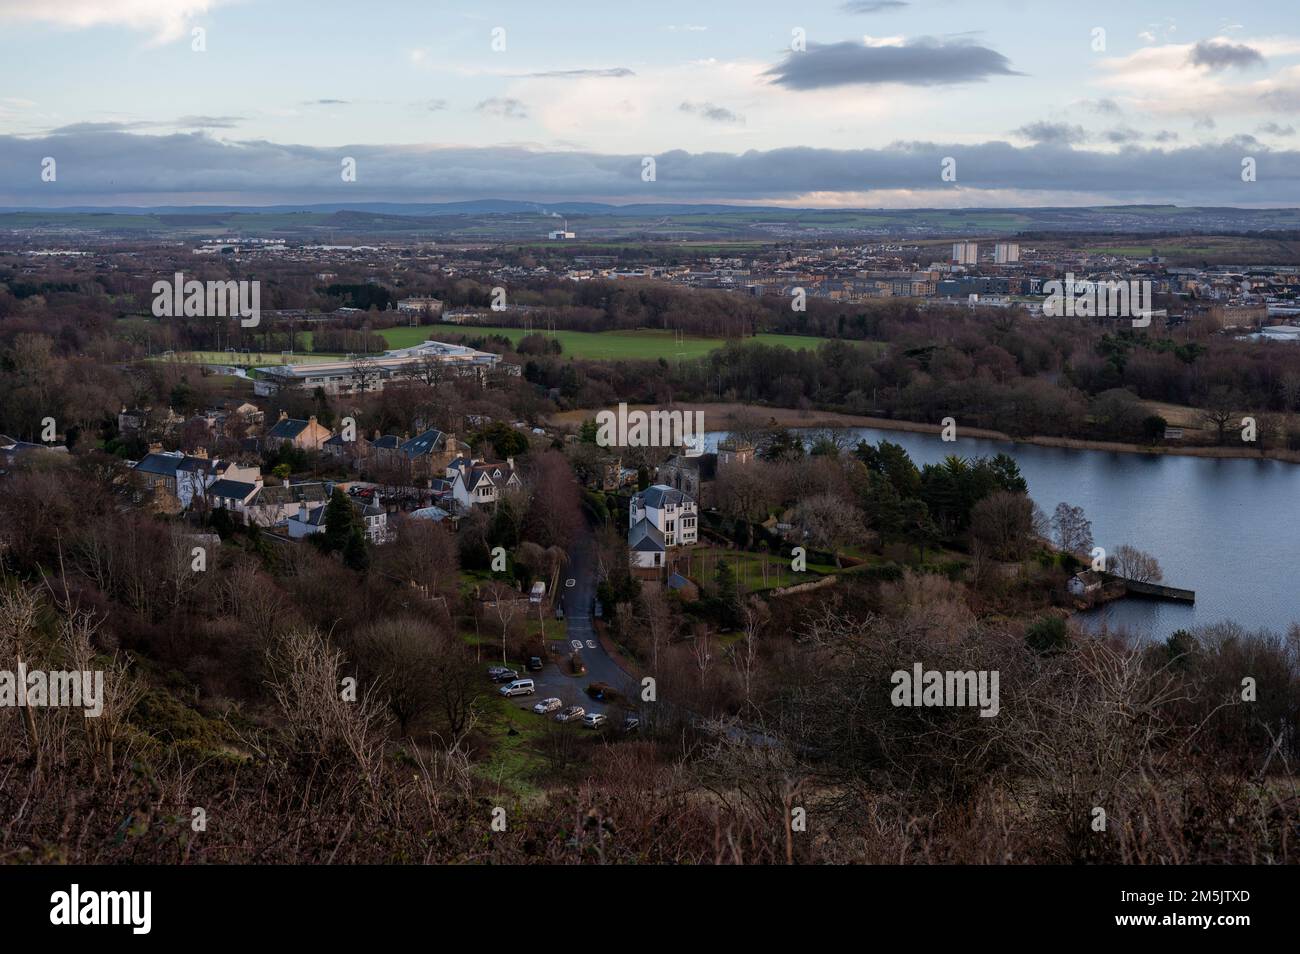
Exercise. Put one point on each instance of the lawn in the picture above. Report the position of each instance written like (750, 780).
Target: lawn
(749, 568)
(644, 344)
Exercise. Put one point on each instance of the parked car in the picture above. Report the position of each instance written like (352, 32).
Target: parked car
(518, 687)
(594, 720)
(576, 665)
(631, 723)
(603, 692)
(495, 671)
(547, 705)
(534, 663)
(504, 675)
(571, 713)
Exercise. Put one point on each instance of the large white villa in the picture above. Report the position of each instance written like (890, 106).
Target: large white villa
(660, 520)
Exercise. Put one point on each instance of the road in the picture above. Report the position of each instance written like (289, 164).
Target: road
(577, 592)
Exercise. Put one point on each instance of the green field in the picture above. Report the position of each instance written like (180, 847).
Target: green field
(603, 345)
(646, 345)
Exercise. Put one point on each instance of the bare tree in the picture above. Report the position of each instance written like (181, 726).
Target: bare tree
(1073, 530)
(1137, 565)
(1219, 409)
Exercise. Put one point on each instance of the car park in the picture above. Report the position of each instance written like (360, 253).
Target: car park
(571, 713)
(518, 687)
(547, 705)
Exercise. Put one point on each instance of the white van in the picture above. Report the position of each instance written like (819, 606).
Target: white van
(518, 687)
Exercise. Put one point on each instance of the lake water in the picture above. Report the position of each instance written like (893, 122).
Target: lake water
(1228, 529)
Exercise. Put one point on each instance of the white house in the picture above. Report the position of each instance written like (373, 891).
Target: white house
(309, 520)
(481, 483)
(660, 520)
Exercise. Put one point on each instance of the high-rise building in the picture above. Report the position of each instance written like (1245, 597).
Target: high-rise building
(965, 253)
(1004, 253)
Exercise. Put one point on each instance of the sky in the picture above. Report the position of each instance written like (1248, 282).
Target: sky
(820, 103)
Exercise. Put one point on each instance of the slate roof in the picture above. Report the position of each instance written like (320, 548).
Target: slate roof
(645, 537)
(660, 496)
(288, 429)
(295, 493)
(424, 444)
(167, 465)
(234, 489)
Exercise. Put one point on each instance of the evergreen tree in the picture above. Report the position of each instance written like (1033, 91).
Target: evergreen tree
(340, 520)
(355, 554)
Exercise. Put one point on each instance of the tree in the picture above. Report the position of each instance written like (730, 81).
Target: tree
(1004, 522)
(340, 520)
(828, 520)
(1153, 428)
(1047, 636)
(397, 655)
(1136, 565)
(365, 374)
(1219, 409)
(1073, 530)
(356, 555)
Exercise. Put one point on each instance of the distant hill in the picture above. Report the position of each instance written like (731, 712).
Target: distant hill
(594, 222)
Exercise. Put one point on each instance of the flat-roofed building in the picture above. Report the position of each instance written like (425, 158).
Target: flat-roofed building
(362, 373)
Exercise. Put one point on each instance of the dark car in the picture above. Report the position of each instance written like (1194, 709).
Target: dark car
(504, 675)
(534, 663)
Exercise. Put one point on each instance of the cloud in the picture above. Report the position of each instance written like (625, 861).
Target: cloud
(925, 61)
(719, 114)
(324, 102)
(183, 122)
(1276, 129)
(616, 72)
(872, 6)
(166, 20)
(1106, 107)
(1061, 134)
(434, 105)
(149, 169)
(502, 107)
(1216, 55)
(1121, 135)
